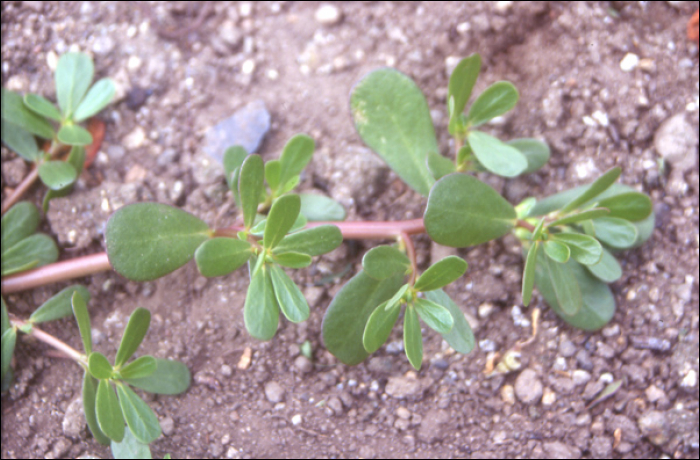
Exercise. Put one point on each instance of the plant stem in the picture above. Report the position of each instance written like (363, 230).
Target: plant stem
(525, 224)
(47, 338)
(53, 273)
(411, 252)
(21, 189)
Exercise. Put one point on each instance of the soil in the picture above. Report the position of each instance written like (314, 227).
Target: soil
(182, 67)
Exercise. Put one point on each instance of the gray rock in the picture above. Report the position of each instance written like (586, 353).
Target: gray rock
(402, 387)
(601, 447)
(303, 364)
(567, 348)
(74, 419)
(14, 171)
(528, 387)
(430, 429)
(558, 449)
(167, 425)
(676, 141)
(335, 405)
(653, 425)
(630, 432)
(247, 128)
(274, 392)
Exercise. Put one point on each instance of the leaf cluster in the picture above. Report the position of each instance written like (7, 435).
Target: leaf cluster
(22, 247)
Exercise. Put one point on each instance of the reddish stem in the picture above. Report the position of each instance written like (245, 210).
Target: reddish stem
(21, 189)
(53, 273)
(411, 252)
(53, 341)
(525, 224)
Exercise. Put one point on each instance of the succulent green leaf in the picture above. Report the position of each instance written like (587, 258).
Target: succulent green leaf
(496, 156)
(496, 100)
(109, 414)
(82, 317)
(16, 113)
(462, 82)
(585, 249)
(464, 154)
(139, 368)
(292, 259)
(135, 331)
(140, 418)
(460, 337)
(440, 166)
(595, 189)
(314, 241)
(33, 251)
(9, 339)
(632, 206)
(396, 298)
(379, 326)
(412, 338)
(251, 187)
(615, 232)
(608, 270)
(296, 155)
(289, 297)
(565, 286)
(170, 378)
(392, 117)
(18, 223)
(148, 240)
(20, 141)
(536, 152)
(580, 217)
(74, 135)
(261, 309)
(299, 223)
(59, 306)
(4, 316)
(346, 317)
(233, 159)
(76, 158)
(283, 214)
(89, 396)
(96, 99)
(130, 448)
(74, 74)
(529, 273)
(463, 211)
(289, 185)
(434, 315)
(320, 208)
(221, 256)
(57, 174)
(384, 262)
(99, 366)
(42, 106)
(558, 252)
(273, 171)
(442, 273)
(537, 233)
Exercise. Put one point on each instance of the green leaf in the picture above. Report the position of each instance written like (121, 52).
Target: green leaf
(251, 187)
(314, 241)
(74, 135)
(141, 419)
(34, 251)
(135, 331)
(379, 326)
(320, 208)
(615, 232)
(384, 262)
(460, 337)
(273, 171)
(59, 306)
(109, 415)
(296, 155)
(464, 154)
(442, 273)
(57, 174)
(82, 317)
(73, 77)
(283, 214)
(5, 318)
(97, 99)
(261, 310)
(396, 298)
(292, 259)
(130, 448)
(221, 256)
(290, 299)
(536, 153)
(440, 166)
(462, 82)
(608, 269)
(462, 211)
(558, 252)
(529, 273)
(412, 338)
(584, 249)
(290, 185)
(89, 396)
(139, 368)
(537, 233)
(99, 366)
(9, 339)
(496, 156)
(496, 100)
(18, 223)
(76, 158)
(565, 286)
(434, 315)
(392, 117)
(580, 217)
(148, 240)
(633, 206)
(20, 141)
(346, 317)
(596, 188)
(16, 113)
(170, 378)
(233, 159)
(42, 106)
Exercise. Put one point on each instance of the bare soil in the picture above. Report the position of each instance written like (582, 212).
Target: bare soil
(204, 60)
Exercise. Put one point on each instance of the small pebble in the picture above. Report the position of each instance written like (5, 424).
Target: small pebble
(654, 393)
(274, 392)
(629, 62)
(328, 15)
(528, 387)
(654, 426)
(567, 348)
(296, 419)
(167, 425)
(303, 364)
(581, 377)
(402, 387)
(508, 394)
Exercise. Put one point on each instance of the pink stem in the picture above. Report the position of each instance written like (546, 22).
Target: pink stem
(53, 341)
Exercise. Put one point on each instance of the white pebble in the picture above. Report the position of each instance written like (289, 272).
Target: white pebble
(328, 15)
(296, 420)
(629, 62)
(248, 67)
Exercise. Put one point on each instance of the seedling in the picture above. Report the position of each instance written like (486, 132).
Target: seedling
(26, 118)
